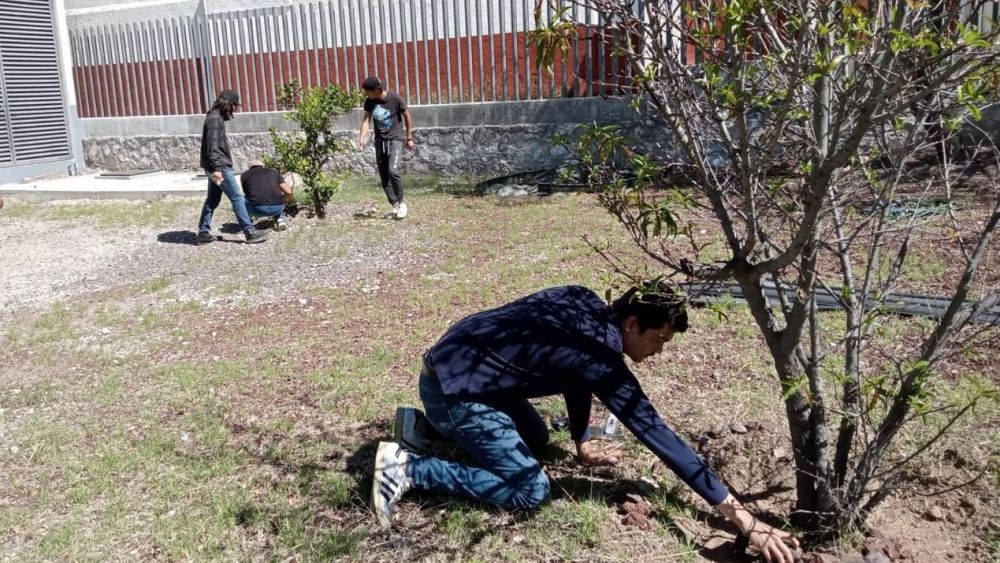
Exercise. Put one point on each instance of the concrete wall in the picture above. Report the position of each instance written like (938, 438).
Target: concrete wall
(468, 140)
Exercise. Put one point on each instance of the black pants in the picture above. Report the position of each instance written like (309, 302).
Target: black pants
(387, 158)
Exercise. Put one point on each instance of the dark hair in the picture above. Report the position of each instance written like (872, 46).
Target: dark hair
(225, 107)
(372, 83)
(653, 305)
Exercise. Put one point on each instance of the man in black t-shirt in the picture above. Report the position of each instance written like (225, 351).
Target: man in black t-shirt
(387, 112)
(266, 193)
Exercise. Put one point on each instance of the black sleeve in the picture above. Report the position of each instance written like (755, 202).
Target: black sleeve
(620, 391)
(578, 409)
(214, 133)
(402, 104)
(369, 105)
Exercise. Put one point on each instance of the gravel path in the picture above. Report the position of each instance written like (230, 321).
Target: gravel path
(50, 260)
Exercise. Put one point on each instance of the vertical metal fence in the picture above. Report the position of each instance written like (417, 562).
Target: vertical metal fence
(429, 51)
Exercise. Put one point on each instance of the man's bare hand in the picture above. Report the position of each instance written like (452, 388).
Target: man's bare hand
(775, 545)
(589, 454)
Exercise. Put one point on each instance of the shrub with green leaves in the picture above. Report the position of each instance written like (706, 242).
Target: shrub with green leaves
(310, 151)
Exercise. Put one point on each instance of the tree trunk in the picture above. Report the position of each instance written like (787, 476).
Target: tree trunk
(319, 207)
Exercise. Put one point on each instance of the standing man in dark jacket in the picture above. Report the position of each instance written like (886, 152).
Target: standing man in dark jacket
(387, 111)
(477, 380)
(217, 162)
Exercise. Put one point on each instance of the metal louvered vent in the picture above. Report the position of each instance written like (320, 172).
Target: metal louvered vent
(6, 156)
(32, 116)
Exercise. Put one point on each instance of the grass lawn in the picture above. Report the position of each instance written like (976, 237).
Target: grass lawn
(174, 402)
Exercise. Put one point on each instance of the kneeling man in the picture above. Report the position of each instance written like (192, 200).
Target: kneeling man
(476, 382)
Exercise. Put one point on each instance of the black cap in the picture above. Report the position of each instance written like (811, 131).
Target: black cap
(232, 95)
(372, 83)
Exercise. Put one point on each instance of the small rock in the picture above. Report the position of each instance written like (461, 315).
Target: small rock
(823, 558)
(14, 449)
(852, 558)
(968, 505)
(934, 514)
(889, 546)
(518, 539)
(737, 428)
(638, 520)
(716, 431)
(703, 441)
(876, 557)
(650, 482)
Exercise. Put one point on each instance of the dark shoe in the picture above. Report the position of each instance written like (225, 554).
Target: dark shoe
(280, 224)
(205, 237)
(408, 429)
(256, 236)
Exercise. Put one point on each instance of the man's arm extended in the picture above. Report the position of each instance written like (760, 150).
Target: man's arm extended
(363, 133)
(408, 122)
(775, 545)
(286, 191)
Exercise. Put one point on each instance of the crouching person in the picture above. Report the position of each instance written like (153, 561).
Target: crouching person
(267, 194)
(475, 386)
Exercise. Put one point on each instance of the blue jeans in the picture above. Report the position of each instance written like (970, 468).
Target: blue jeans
(276, 210)
(232, 189)
(508, 474)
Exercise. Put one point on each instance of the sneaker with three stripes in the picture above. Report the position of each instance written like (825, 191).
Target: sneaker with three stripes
(389, 481)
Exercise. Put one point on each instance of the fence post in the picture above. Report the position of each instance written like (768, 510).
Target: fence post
(204, 48)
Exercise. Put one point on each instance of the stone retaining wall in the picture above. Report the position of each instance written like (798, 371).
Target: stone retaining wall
(470, 141)
(440, 152)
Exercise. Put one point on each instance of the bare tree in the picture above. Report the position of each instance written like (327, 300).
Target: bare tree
(798, 129)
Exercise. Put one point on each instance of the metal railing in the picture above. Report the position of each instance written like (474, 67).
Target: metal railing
(429, 51)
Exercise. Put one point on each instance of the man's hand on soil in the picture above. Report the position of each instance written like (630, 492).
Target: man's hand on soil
(775, 545)
(588, 454)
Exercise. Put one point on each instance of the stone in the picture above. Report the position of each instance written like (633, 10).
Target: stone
(637, 520)
(934, 514)
(737, 428)
(877, 557)
(716, 431)
(888, 546)
(823, 558)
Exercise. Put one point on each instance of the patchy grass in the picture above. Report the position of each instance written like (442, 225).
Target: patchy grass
(103, 214)
(149, 421)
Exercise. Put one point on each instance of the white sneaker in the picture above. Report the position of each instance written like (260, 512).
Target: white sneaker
(395, 210)
(408, 429)
(389, 481)
(401, 211)
(280, 224)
